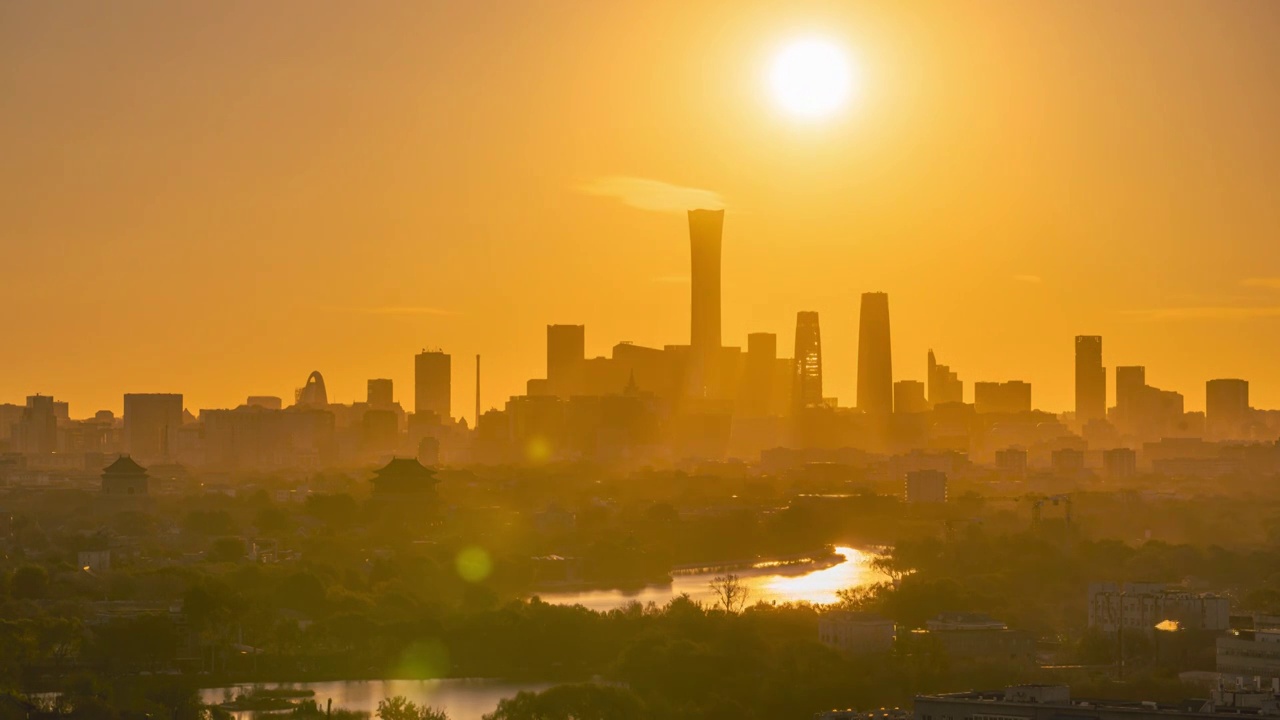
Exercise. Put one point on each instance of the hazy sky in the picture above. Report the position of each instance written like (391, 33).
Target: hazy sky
(217, 198)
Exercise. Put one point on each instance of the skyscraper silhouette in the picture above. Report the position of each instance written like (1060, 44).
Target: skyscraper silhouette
(705, 228)
(1226, 408)
(151, 423)
(807, 387)
(1091, 379)
(566, 359)
(944, 385)
(758, 376)
(381, 393)
(313, 394)
(909, 397)
(432, 375)
(875, 359)
(1130, 382)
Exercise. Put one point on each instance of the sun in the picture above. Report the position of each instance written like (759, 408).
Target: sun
(811, 78)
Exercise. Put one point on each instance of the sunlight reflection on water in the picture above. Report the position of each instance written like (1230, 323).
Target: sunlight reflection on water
(770, 584)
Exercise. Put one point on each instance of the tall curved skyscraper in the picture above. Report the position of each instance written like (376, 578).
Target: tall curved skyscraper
(807, 389)
(875, 359)
(313, 394)
(705, 228)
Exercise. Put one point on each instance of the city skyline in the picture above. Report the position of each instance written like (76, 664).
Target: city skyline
(300, 219)
(640, 360)
(566, 368)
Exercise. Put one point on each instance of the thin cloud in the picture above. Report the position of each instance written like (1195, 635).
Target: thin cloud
(1030, 279)
(1204, 313)
(1262, 282)
(653, 195)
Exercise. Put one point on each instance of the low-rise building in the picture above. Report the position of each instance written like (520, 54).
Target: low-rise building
(977, 637)
(1054, 702)
(124, 477)
(1119, 463)
(1249, 653)
(856, 633)
(1143, 606)
(925, 486)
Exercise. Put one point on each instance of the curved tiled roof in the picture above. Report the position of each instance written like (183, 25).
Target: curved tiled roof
(124, 465)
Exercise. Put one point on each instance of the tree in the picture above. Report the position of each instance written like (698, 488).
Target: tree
(402, 708)
(731, 593)
(227, 549)
(890, 566)
(572, 702)
(29, 582)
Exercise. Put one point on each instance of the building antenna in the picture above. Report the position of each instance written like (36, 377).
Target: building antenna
(477, 390)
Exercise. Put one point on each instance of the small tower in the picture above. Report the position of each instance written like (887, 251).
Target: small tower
(124, 477)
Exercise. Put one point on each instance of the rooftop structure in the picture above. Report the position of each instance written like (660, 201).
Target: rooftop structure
(404, 476)
(124, 477)
(1047, 702)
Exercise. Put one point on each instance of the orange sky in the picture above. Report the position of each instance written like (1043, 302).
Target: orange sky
(216, 198)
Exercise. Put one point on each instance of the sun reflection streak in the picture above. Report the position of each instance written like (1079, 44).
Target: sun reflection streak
(820, 587)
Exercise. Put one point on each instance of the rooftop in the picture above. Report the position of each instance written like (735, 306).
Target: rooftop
(124, 465)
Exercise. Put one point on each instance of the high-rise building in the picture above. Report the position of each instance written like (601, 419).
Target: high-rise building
(1091, 379)
(10, 416)
(875, 359)
(381, 393)
(37, 429)
(1009, 397)
(1226, 408)
(705, 230)
(944, 385)
(908, 397)
(566, 359)
(432, 384)
(313, 394)
(807, 387)
(151, 424)
(758, 375)
(1130, 380)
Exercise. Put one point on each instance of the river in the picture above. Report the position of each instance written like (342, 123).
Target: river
(470, 699)
(463, 699)
(768, 583)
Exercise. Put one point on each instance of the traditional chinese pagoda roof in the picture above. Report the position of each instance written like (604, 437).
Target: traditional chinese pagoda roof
(407, 468)
(404, 475)
(124, 465)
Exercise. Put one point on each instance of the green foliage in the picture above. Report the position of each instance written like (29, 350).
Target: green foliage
(29, 582)
(401, 708)
(210, 522)
(572, 702)
(227, 549)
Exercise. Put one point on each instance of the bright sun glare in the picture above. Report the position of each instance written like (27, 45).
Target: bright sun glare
(810, 78)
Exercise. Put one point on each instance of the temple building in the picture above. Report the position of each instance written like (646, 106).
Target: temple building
(124, 477)
(404, 476)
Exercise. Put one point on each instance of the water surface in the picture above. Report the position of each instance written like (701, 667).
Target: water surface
(817, 585)
(463, 699)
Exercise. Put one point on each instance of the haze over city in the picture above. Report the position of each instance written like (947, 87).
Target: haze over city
(217, 198)
(663, 360)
